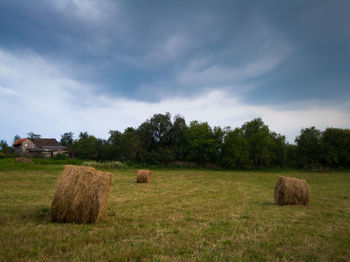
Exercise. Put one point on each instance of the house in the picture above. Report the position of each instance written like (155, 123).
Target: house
(41, 147)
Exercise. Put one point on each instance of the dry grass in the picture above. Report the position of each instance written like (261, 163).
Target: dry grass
(183, 215)
(81, 195)
(291, 191)
(143, 176)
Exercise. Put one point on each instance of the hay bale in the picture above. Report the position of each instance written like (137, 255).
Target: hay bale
(143, 176)
(291, 191)
(81, 195)
(24, 160)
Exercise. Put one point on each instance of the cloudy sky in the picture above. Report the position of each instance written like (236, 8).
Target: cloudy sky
(79, 65)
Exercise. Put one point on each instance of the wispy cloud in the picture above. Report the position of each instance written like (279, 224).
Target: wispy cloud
(37, 95)
(220, 75)
(91, 11)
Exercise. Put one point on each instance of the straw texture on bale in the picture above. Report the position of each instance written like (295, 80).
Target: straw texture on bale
(25, 160)
(291, 191)
(81, 195)
(143, 176)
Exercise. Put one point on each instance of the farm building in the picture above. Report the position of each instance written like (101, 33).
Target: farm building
(45, 147)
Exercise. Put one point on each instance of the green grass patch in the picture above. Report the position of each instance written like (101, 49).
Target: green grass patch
(182, 215)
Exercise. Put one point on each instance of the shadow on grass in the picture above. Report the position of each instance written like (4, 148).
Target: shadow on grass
(36, 215)
(39, 215)
(268, 204)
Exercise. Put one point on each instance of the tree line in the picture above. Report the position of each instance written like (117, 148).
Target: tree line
(166, 140)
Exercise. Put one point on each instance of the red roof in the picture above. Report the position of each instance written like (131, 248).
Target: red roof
(18, 142)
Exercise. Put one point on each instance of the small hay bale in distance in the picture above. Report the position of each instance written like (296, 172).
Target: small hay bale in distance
(81, 195)
(24, 160)
(143, 176)
(291, 191)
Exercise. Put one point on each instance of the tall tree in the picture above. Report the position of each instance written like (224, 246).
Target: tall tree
(177, 137)
(154, 137)
(235, 150)
(67, 139)
(200, 143)
(309, 147)
(335, 143)
(130, 144)
(5, 148)
(16, 138)
(259, 140)
(32, 135)
(115, 145)
(85, 147)
(278, 148)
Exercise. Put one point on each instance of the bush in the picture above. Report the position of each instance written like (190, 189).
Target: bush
(60, 156)
(6, 155)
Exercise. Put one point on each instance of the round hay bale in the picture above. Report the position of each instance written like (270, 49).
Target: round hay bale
(291, 191)
(81, 195)
(143, 176)
(24, 160)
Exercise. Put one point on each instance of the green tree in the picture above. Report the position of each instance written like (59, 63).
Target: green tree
(115, 145)
(260, 142)
(278, 147)
(292, 156)
(177, 137)
(16, 138)
(218, 136)
(154, 137)
(235, 150)
(85, 147)
(200, 143)
(309, 147)
(5, 148)
(130, 144)
(32, 135)
(67, 139)
(101, 149)
(335, 144)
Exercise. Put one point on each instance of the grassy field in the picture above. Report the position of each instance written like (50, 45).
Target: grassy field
(183, 215)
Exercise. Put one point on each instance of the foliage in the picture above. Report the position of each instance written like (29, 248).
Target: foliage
(16, 138)
(235, 151)
(5, 148)
(309, 147)
(162, 140)
(260, 143)
(335, 147)
(67, 139)
(60, 156)
(32, 135)
(85, 147)
(201, 144)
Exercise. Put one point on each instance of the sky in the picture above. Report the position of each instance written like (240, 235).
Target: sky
(96, 65)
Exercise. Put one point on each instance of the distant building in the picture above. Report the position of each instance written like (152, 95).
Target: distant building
(44, 147)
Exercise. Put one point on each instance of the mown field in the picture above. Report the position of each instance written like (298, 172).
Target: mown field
(183, 215)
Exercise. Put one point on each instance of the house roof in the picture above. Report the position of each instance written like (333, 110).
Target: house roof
(18, 142)
(40, 142)
(43, 142)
